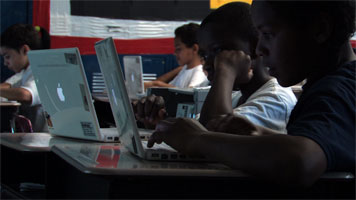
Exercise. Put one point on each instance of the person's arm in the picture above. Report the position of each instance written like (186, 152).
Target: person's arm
(156, 83)
(167, 77)
(19, 94)
(218, 101)
(229, 66)
(5, 85)
(284, 159)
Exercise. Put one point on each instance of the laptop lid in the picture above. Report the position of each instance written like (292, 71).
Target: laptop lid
(118, 96)
(133, 75)
(64, 93)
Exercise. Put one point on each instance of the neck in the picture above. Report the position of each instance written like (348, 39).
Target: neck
(346, 54)
(193, 63)
(325, 66)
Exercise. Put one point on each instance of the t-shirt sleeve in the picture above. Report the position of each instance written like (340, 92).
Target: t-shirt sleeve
(14, 80)
(329, 120)
(198, 79)
(267, 110)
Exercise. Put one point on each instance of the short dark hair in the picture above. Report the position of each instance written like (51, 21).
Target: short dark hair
(234, 20)
(341, 12)
(18, 35)
(187, 34)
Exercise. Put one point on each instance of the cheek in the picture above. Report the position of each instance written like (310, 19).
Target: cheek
(183, 57)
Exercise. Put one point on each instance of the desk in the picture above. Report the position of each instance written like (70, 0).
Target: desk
(110, 171)
(7, 110)
(24, 159)
(72, 169)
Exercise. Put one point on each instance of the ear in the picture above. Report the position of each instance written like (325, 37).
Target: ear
(195, 48)
(323, 26)
(24, 49)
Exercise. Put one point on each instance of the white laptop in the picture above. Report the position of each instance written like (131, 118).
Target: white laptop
(133, 76)
(122, 110)
(64, 93)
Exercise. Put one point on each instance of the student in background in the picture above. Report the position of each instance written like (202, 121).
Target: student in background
(16, 42)
(298, 40)
(190, 73)
(260, 98)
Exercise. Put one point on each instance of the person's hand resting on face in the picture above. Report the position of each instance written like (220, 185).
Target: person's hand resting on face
(234, 64)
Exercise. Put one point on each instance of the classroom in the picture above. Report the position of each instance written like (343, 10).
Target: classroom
(201, 99)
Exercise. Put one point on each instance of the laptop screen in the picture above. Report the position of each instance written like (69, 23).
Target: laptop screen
(63, 90)
(119, 100)
(133, 75)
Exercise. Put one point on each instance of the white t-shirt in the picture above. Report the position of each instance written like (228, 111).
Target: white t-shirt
(194, 77)
(34, 112)
(270, 106)
(24, 79)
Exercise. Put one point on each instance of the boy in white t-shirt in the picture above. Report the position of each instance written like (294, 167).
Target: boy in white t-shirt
(190, 73)
(16, 41)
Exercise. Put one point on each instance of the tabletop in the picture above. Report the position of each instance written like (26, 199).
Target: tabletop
(115, 159)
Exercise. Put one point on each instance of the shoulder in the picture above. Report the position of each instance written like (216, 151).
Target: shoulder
(339, 84)
(271, 90)
(326, 112)
(16, 78)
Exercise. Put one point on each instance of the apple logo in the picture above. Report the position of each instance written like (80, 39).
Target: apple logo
(60, 93)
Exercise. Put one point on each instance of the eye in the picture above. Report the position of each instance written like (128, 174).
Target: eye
(267, 35)
(178, 49)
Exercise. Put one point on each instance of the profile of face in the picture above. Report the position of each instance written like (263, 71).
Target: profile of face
(286, 50)
(14, 60)
(184, 54)
(212, 42)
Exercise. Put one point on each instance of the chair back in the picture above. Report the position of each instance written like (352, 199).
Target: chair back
(23, 124)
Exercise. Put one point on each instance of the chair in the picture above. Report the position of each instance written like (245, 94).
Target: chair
(22, 124)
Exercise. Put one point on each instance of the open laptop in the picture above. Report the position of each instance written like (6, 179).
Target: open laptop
(133, 76)
(122, 110)
(63, 89)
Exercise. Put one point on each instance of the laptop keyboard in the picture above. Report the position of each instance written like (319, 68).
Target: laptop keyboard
(162, 146)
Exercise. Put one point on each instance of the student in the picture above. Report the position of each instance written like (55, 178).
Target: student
(260, 98)
(298, 40)
(190, 73)
(16, 42)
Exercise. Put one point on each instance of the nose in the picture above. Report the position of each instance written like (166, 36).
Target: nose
(261, 49)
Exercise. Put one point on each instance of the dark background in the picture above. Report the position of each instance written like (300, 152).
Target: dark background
(163, 10)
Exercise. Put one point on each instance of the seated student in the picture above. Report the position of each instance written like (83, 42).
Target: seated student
(190, 73)
(16, 42)
(261, 99)
(298, 40)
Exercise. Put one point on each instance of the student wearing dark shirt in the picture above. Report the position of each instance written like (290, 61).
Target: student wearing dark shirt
(298, 40)
(324, 114)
